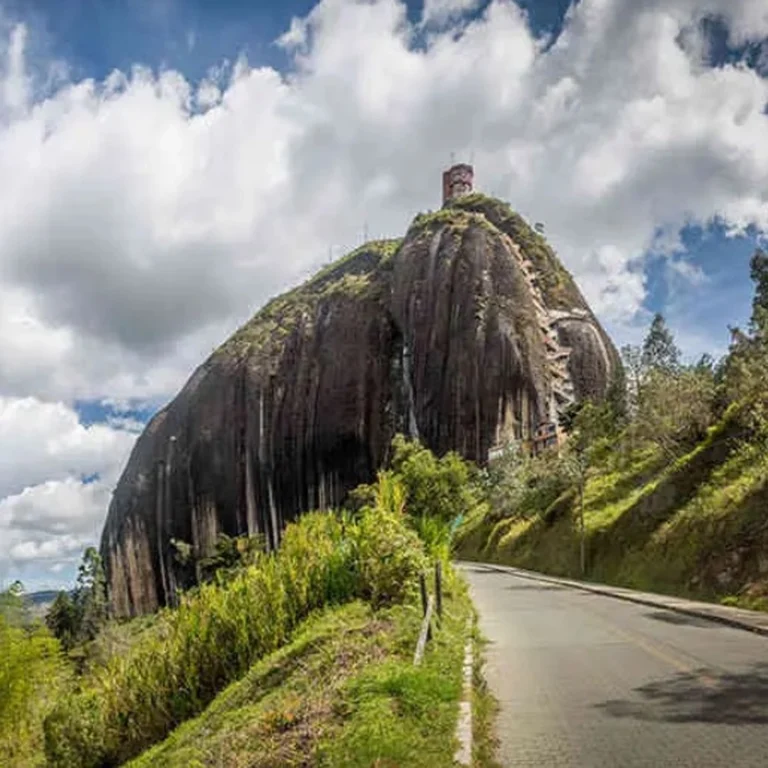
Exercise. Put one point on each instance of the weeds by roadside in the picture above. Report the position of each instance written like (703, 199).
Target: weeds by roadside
(484, 709)
(219, 631)
(343, 694)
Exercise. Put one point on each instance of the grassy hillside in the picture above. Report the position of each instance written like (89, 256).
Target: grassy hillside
(344, 692)
(696, 526)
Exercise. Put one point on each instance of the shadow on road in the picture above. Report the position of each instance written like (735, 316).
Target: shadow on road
(682, 620)
(701, 697)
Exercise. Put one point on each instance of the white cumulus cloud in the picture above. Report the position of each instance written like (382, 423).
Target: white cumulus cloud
(441, 11)
(56, 480)
(145, 216)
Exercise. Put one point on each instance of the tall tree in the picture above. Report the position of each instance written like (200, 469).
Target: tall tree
(90, 595)
(677, 408)
(758, 270)
(632, 360)
(659, 349)
(745, 375)
(62, 620)
(12, 604)
(617, 398)
(588, 423)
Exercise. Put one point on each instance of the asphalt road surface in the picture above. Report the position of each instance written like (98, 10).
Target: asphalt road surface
(589, 681)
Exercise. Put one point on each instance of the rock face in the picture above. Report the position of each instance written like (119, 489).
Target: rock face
(467, 333)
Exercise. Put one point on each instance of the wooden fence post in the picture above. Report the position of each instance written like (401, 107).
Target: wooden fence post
(424, 601)
(424, 634)
(439, 588)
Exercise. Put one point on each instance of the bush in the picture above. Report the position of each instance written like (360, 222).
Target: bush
(521, 486)
(440, 488)
(30, 671)
(435, 493)
(389, 553)
(213, 637)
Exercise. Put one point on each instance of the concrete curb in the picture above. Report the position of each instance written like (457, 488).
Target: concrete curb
(463, 755)
(751, 621)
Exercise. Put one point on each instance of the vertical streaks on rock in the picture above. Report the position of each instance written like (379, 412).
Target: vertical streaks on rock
(436, 337)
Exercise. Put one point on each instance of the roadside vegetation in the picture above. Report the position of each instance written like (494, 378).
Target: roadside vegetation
(484, 709)
(668, 485)
(344, 692)
(303, 656)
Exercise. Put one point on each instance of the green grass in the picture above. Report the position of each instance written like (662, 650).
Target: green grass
(175, 668)
(484, 709)
(344, 692)
(557, 284)
(354, 274)
(457, 219)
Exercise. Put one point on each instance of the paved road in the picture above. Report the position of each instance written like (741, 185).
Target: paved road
(588, 681)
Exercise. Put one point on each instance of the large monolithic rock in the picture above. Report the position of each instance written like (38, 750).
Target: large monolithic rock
(467, 333)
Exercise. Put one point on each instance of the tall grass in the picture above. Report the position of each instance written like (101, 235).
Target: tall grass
(220, 630)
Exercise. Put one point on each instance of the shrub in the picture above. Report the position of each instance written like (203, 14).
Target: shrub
(441, 488)
(435, 493)
(521, 486)
(389, 553)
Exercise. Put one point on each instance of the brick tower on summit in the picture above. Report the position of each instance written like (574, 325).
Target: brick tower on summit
(457, 181)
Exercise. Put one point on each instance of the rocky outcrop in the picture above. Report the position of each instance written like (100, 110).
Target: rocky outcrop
(441, 335)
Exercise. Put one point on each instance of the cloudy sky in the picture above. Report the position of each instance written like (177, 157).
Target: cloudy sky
(167, 166)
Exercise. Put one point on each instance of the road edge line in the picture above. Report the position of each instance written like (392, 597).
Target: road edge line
(608, 592)
(463, 754)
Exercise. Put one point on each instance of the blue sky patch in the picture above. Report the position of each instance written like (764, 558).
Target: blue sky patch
(97, 411)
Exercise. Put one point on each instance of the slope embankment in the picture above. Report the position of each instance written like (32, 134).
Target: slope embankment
(696, 527)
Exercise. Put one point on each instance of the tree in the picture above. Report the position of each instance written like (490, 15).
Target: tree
(616, 399)
(12, 605)
(634, 371)
(677, 408)
(436, 494)
(706, 364)
(229, 554)
(758, 271)
(586, 428)
(659, 349)
(90, 599)
(62, 620)
(440, 488)
(745, 372)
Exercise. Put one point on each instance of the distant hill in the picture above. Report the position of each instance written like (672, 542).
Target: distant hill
(45, 597)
